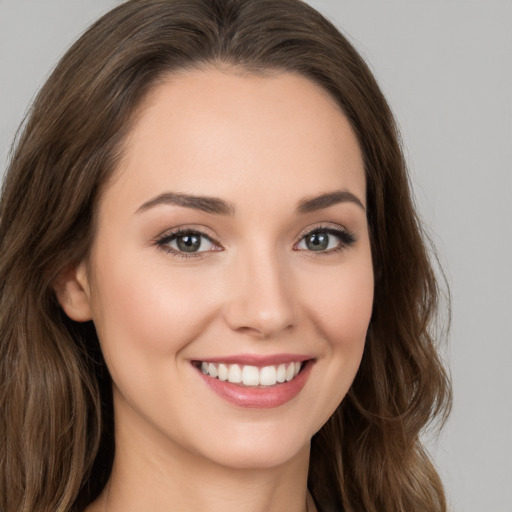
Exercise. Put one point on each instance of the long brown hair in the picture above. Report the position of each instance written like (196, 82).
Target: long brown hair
(56, 444)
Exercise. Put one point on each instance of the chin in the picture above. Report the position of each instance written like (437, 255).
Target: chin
(250, 447)
(256, 457)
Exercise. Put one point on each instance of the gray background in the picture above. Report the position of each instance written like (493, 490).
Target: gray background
(446, 68)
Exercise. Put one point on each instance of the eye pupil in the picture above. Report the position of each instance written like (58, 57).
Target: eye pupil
(317, 241)
(188, 243)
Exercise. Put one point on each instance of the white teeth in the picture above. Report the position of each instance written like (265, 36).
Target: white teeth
(212, 370)
(235, 374)
(281, 373)
(249, 375)
(289, 372)
(268, 376)
(223, 372)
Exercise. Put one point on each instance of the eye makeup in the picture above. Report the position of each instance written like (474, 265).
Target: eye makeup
(322, 240)
(187, 243)
(193, 243)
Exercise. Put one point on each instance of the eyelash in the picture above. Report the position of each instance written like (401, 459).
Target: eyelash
(169, 237)
(346, 240)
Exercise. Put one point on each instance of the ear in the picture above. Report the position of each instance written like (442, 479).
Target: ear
(72, 289)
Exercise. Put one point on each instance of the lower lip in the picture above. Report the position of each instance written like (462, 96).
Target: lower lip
(259, 398)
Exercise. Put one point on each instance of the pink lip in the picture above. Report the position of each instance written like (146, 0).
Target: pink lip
(256, 397)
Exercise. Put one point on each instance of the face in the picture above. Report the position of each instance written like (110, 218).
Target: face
(232, 245)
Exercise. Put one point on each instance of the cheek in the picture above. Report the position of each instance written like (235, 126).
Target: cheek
(145, 310)
(341, 309)
(342, 305)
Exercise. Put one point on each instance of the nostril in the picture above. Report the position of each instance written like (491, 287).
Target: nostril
(260, 301)
(252, 331)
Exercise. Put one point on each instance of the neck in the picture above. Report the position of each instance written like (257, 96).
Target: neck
(146, 476)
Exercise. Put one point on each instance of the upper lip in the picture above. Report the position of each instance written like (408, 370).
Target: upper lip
(258, 360)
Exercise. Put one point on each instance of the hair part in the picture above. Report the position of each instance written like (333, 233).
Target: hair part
(56, 427)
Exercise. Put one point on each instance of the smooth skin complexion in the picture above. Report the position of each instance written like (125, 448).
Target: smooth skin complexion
(234, 230)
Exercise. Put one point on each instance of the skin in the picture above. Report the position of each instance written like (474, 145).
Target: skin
(263, 143)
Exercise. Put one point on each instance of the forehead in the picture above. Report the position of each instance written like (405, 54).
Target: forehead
(217, 132)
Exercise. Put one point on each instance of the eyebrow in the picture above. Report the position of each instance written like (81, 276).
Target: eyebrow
(220, 207)
(329, 199)
(203, 203)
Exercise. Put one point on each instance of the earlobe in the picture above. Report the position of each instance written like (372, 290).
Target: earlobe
(72, 290)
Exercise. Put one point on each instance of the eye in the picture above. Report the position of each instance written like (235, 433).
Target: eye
(326, 240)
(186, 242)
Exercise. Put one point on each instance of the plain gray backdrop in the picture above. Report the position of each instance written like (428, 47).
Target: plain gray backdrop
(446, 69)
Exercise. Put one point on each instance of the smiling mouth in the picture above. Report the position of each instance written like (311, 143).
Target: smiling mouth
(252, 376)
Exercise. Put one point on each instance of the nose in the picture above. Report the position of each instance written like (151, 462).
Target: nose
(260, 301)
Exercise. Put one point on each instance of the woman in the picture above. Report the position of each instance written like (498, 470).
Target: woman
(215, 292)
